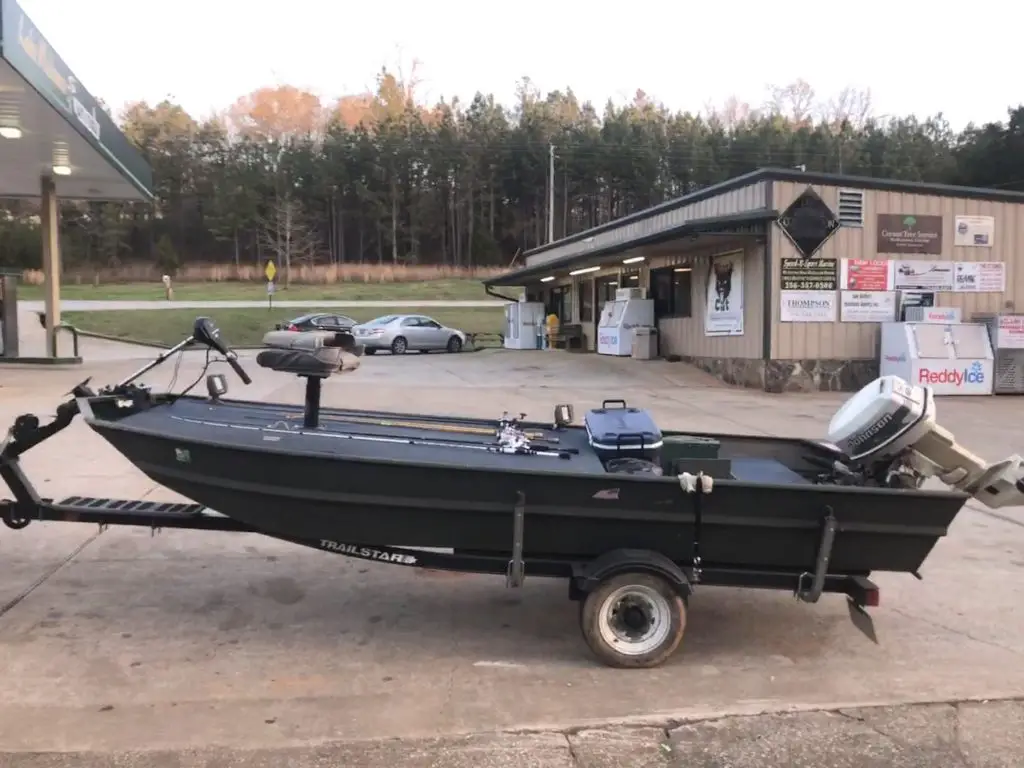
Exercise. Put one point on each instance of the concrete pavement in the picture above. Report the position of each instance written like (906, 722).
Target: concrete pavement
(89, 305)
(197, 643)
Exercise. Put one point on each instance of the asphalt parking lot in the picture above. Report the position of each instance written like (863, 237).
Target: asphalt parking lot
(119, 640)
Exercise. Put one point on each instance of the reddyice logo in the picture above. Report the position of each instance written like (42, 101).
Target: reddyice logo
(955, 376)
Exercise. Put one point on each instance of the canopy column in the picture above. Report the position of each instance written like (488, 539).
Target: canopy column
(50, 226)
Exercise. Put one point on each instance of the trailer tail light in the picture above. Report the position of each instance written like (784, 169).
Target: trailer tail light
(872, 597)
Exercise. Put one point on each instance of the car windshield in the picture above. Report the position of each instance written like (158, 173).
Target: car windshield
(302, 318)
(381, 320)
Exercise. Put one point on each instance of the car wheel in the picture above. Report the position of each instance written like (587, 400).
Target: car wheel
(454, 344)
(369, 351)
(399, 346)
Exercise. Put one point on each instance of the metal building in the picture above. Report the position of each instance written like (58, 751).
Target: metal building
(779, 279)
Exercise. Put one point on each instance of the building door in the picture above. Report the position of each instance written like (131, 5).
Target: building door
(588, 317)
(604, 291)
(671, 291)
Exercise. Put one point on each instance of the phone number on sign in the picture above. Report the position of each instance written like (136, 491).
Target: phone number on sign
(809, 285)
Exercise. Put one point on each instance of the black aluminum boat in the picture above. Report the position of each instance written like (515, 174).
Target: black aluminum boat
(616, 504)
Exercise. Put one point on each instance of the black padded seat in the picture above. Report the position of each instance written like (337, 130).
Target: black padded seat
(322, 362)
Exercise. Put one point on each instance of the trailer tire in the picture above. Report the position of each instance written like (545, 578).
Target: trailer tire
(633, 620)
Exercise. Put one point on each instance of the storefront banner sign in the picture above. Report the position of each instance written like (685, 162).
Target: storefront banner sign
(974, 231)
(807, 306)
(923, 276)
(723, 313)
(979, 276)
(809, 274)
(866, 275)
(908, 233)
(867, 306)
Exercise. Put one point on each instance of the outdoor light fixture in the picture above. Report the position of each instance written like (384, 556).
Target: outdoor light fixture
(584, 270)
(10, 131)
(62, 170)
(633, 260)
(682, 269)
(547, 279)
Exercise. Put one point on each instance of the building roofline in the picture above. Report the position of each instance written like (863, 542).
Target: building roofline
(796, 176)
(695, 226)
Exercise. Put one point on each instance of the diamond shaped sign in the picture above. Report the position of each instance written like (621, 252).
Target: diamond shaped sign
(808, 222)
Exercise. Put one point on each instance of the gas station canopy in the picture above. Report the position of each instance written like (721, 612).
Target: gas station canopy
(51, 126)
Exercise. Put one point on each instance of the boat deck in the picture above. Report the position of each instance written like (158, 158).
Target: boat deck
(366, 435)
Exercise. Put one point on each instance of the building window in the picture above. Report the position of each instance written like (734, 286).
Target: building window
(671, 289)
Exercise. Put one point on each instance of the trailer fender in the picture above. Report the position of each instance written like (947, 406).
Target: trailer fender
(587, 576)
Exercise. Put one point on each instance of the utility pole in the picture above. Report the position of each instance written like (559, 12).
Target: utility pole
(551, 192)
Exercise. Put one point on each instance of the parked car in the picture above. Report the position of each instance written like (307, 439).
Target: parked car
(317, 322)
(402, 333)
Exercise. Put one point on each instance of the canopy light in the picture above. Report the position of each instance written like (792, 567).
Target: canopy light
(681, 269)
(584, 270)
(62, 170)
(633, 260)
(547, 279)
(10, 132)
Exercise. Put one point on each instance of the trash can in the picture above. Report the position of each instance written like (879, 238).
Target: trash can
(645, 343)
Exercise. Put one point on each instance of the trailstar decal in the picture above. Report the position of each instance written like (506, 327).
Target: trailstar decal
(367, 553)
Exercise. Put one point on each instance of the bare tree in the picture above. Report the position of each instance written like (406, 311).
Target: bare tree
(288, 235)
(851, 105)
(794, 101)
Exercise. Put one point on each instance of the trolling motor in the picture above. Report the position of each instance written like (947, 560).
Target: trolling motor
(889, 436)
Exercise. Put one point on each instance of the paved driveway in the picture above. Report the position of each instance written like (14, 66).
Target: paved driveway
(120, 640)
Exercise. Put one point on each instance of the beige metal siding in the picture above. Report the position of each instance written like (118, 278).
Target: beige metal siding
(796, 341)
(685, 335)
(749, 198)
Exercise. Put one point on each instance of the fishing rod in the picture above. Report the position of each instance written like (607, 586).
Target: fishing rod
(516, 448)
(424, 425)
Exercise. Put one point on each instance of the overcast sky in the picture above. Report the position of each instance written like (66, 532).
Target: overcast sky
(916, 57)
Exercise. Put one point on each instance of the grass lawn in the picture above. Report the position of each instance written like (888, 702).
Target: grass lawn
(245, 327)
(453, 289)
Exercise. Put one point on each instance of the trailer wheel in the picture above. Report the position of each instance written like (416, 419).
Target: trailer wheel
(633, 620)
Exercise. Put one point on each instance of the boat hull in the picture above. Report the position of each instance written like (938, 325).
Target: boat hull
(334, 497)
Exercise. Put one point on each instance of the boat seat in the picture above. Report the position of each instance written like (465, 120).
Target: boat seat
(322, 362)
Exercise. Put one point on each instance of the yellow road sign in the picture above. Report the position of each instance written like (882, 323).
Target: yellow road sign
(270, 271)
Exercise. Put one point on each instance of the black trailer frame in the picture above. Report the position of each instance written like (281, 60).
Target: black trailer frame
(587, 578)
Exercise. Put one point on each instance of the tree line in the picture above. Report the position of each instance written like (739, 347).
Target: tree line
(382, 178)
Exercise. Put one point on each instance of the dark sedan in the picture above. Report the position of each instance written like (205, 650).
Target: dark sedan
(317, 322)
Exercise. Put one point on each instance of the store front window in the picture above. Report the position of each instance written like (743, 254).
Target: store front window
(671, 289)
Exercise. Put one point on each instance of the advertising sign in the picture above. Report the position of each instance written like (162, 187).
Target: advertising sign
(807, 306)
(979, 276)
(809, 274)
(923, 276)
(723, 314)
(867, 306)
(908, 233)
(1010, 332)
(974, 231)
(866, 275)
